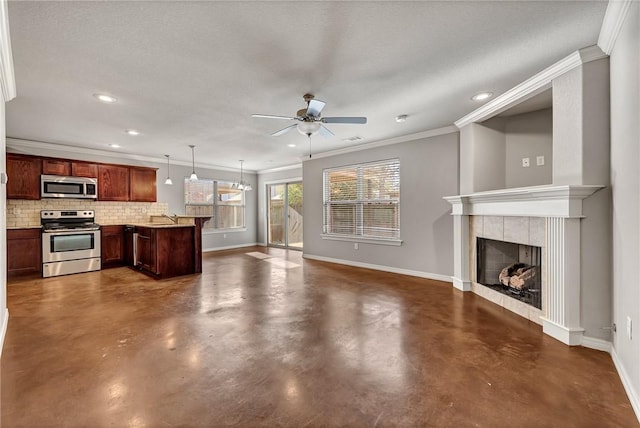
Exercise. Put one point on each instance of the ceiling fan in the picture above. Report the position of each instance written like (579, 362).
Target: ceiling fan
(309, 121)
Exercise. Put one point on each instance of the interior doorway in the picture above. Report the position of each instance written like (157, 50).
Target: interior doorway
(285, 220)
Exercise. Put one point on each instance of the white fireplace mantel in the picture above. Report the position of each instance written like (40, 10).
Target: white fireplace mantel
(561, 206)
(536, 201)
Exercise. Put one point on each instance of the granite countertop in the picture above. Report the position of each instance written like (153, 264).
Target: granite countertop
(160, 225)
(23, 227)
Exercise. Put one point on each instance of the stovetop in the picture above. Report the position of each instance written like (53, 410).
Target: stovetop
(72, 220)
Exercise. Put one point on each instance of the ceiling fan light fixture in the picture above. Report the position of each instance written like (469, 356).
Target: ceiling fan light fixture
(401, 118)
(308, 128)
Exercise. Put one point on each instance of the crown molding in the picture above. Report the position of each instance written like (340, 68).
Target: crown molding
(17, 145)
(397, 140)
(532, 86)
(7, 75)
(279, 168)
(613, 19)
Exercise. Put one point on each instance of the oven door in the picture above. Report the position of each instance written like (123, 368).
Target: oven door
(70, 245)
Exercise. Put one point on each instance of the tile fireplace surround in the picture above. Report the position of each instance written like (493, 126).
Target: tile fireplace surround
(543, 216)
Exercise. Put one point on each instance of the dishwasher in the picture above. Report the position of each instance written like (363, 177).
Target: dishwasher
(130, 245)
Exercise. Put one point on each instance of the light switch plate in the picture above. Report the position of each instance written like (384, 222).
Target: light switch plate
(526, 162)
(539, 160)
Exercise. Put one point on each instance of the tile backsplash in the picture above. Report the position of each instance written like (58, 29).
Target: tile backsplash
(25, 213)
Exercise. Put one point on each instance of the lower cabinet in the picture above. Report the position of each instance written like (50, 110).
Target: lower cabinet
(24, 252)
(112, 246)
(164, 252)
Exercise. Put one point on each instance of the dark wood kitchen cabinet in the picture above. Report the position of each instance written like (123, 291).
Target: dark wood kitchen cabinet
(113, 183)
(142, 184)
(165, 252)
(24, 176)
(24, 252)
(84, 169)
(112, 245)
(56, 166)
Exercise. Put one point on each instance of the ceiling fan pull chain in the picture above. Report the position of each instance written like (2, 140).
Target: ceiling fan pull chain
(309, 135)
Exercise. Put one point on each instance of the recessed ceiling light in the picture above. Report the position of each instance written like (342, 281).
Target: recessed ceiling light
(105, 98)
(291, 145)
(115, 146)
(482, 96)
(132, 132)
(401, 118)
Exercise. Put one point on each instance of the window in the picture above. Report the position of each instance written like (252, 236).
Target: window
(217, 199)
(363, 200)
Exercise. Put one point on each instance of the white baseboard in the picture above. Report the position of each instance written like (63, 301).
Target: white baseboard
(420, 274)
(566, 335)
(634, 398)
(229, 247)
(597, 344)
(460, 284)
(5, 323)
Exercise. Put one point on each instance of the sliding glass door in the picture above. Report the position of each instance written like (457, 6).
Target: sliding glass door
(285, 214)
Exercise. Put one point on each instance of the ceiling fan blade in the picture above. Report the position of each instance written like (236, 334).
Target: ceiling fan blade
(315, 107)
(358, 120)
(270, 116)
(283, 131)
(326, 132)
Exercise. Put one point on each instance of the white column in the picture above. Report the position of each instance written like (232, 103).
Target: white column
(461, 255)
(562, 299)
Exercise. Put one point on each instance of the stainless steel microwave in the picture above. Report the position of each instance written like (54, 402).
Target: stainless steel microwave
(57, 186)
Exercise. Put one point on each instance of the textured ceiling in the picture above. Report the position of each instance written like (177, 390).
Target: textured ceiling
(194, 72)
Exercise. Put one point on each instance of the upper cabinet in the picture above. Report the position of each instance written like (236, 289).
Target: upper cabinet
(113, 183)
(56, 167)
(24, 176)
(84, 169)
(142, 184)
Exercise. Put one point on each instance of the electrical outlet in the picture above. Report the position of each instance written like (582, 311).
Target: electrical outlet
(629, 328)
(540, 160)
(526, 162)
(355, 246)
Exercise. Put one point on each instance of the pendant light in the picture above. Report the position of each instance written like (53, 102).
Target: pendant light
(168, 180)
(193, 177)
(242, 185)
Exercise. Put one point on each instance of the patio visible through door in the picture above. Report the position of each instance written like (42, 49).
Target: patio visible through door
(285, 214)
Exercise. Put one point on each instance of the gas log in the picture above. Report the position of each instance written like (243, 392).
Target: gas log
(517, 275)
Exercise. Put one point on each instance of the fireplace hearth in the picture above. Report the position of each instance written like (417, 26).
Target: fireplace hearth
(511, 269)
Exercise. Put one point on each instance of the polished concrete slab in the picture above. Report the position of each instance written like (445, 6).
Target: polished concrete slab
(281, 341)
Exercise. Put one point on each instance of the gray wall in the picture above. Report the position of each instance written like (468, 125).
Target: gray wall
(529, 135)
(581, 125)
(492, 151)
(625, 181)
(172, 195)
(428, 171)
(483, 156)
(283, 176)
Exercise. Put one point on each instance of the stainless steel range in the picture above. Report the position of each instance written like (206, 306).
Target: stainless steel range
(70, 242)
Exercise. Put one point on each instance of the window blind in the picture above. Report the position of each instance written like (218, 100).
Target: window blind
(363, 200)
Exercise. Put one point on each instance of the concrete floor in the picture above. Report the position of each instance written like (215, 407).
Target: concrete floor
(274, 340)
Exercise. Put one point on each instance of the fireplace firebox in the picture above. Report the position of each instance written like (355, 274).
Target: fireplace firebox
(511, 269)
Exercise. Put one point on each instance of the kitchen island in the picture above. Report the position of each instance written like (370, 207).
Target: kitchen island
(166, 250)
